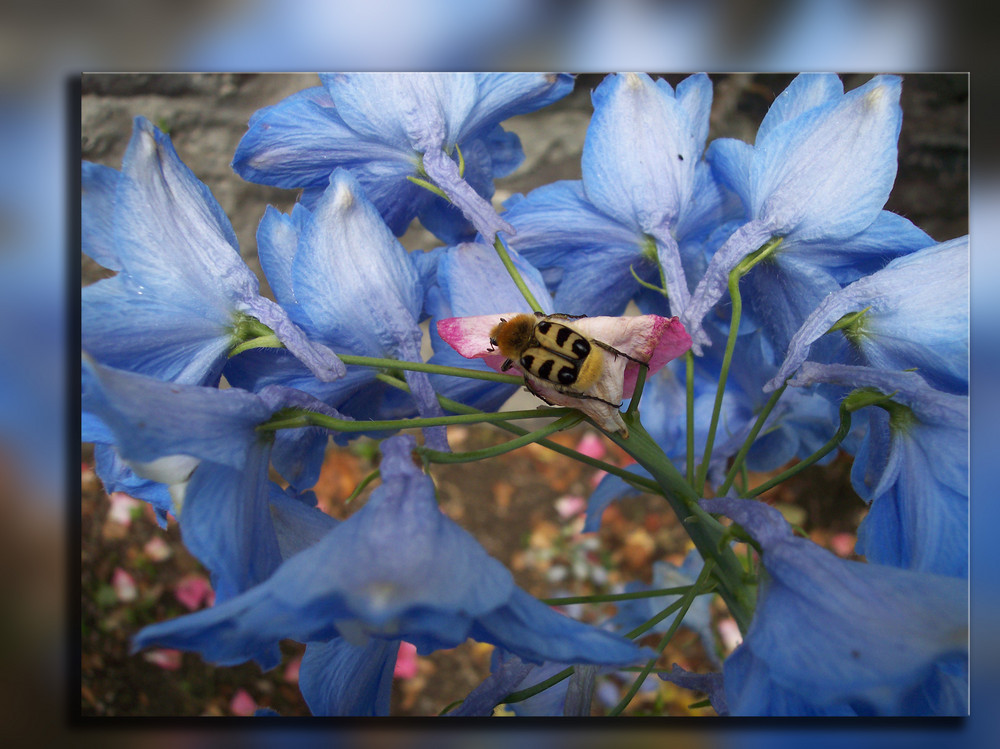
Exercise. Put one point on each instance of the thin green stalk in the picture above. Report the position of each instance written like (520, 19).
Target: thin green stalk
(264, 341)
(689, 377)
(523, 694)
(412, 366)
(610, 597)
(515, 275)
(685, 604)
(738, 461)
(435, 456)
(362, 484)
(298, 418)
(640, 383)
(838, 437)
(639, 482)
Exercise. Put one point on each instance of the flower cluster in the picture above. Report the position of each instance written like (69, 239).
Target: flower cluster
(777, 298)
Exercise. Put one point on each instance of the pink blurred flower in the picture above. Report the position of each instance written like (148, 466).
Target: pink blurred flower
(157, 549)
(124, 585)
(291, 674)
(193, 591)
(406, 661)
(729, 633)
(570, 505)
(166, 659)
(242, 703)
(842, 544)
(592, 446)
(121, 508)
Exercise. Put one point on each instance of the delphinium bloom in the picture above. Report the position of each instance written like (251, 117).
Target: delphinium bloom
(397, 569)
(817, 177)
(183, 299)
(346, 280)
(203, 443)
(912, 467)
(386, 128)
(912, 314)
(645, 200)
(832, 636)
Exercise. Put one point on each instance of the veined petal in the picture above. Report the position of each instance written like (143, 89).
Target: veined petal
(302, 139)
(152, 419)
(805, 92)
(640, 152)
(337, 678)
(731, 161)
(353, 278)
(425, 110)
(98, 185)
(828, 172)
(503, 95)
(694, 94)
(473, 280)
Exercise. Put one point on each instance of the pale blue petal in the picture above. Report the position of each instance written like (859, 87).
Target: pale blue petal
(505, 150)
(424, 110)
(611, 489)
(731, 161)
(694, 94)
(506, 674)
(474, 282)
(116, 476)
(805, 92)
(640, 152)
(98, 185)
(298, 523)
(302, 139)
(503, 95)
(828, 172)
(443, 172)
(337, 678)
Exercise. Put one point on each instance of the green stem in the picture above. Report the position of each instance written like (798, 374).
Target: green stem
(748, 442)
(689, 377)
(640, 383)
(541, 686)
(411, 366)
(610, 597)
(704, 530)
(435, 456)
(639, 482)
(264, 341)
(362, 484)
(515, 275)
(685, 604)
(298, 418)
(838, 437)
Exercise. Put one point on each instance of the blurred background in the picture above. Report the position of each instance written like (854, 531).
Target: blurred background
(47, 44)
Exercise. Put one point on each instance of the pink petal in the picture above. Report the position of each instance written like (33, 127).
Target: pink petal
(242, 703)
(406, 661)
(124, 585)
(165, 659)
(842, 544)
(192, 591)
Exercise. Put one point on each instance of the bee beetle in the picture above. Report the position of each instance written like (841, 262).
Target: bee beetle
(550, 349)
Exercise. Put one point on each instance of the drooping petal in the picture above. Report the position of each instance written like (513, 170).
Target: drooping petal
(337, 678)
(816, 638)
(444, 172)
(712, 684)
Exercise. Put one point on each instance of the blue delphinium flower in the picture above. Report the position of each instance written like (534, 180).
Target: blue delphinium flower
(645, 193)
(818, 176)
(182, 298)
(345, 279)
(385, 128)
(203, 444)
(912, 314)
(912, 467)
(397, 569)
(837, 637)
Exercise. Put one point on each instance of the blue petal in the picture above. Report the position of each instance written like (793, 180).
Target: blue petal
(694, 94)
(97, 187)
(118, 477)
(152, 419)
(813, 636)
(828, 172)
(443, 172)
(637, 124)
(302, 139)
(298, 524)
(506, 673)
(337, 678)
(226, 523)
(711, 684)
(731, 162)
(503, 95)
(506, 153)
(805, 92)
(611, 489)
(424, 110)
(474, 281)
